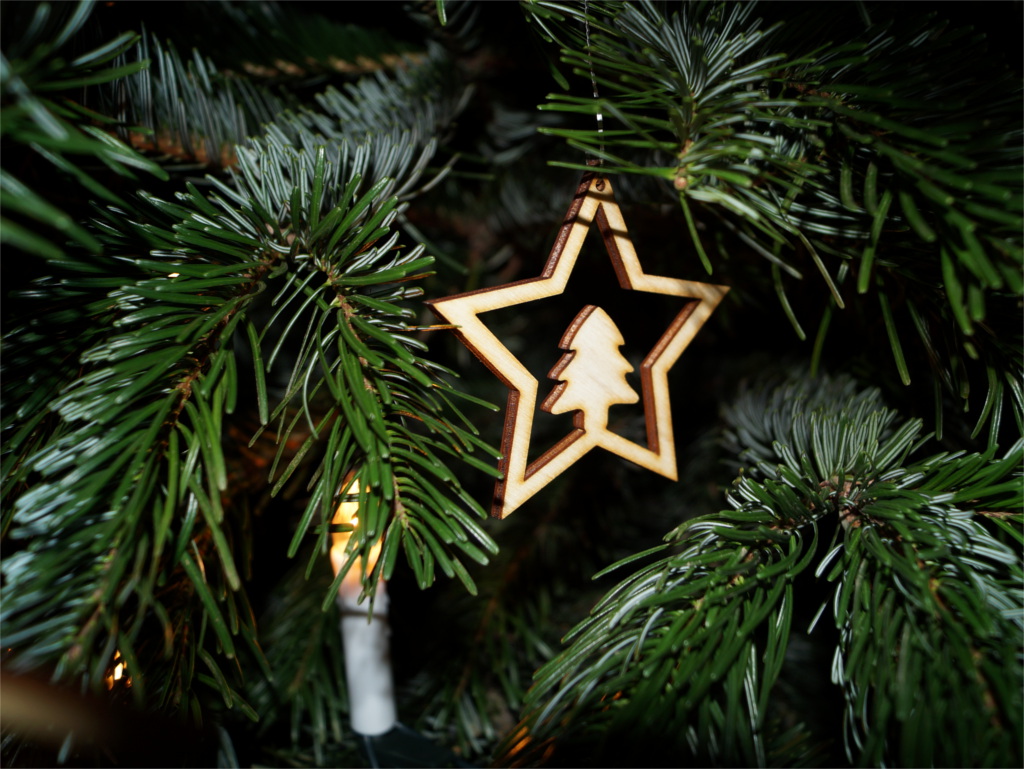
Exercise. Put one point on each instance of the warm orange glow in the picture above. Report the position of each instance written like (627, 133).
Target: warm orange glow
(348, 513)
(119, 672)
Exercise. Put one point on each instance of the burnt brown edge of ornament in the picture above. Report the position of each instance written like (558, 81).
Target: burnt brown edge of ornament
(565, 344)
(646, 382)
(646, 377)
(512, 402)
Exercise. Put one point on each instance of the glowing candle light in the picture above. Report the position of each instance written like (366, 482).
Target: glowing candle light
(367, 648)
(119, 672)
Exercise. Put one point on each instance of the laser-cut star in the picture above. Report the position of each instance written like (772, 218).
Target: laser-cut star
(593, 202)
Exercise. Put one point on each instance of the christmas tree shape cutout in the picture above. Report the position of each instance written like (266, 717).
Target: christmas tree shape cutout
(592, 373)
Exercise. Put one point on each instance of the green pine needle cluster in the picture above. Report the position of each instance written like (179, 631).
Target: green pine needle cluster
(34, 76)
(119, 492)
(839, 149)
(923, 556)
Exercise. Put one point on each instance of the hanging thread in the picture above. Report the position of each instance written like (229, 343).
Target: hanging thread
(593, 78)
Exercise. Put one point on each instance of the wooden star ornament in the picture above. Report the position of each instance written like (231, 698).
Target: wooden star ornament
(592, 372)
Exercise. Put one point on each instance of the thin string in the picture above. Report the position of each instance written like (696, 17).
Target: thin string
(593, 78)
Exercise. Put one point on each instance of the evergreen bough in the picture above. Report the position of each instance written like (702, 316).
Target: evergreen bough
(684, 654)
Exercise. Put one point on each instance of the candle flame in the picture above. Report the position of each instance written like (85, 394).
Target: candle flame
(348, 513)
(119, 672)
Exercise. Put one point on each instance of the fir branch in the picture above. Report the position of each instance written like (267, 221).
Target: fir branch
(277, 42)
(865, 150)
(37, 118)
(188, 111)
(671, 653)
(195, 114)
(141, 424)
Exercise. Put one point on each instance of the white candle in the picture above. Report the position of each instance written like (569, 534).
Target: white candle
(371, 688)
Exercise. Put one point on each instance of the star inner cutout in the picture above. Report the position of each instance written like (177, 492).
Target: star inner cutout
(599, 380)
